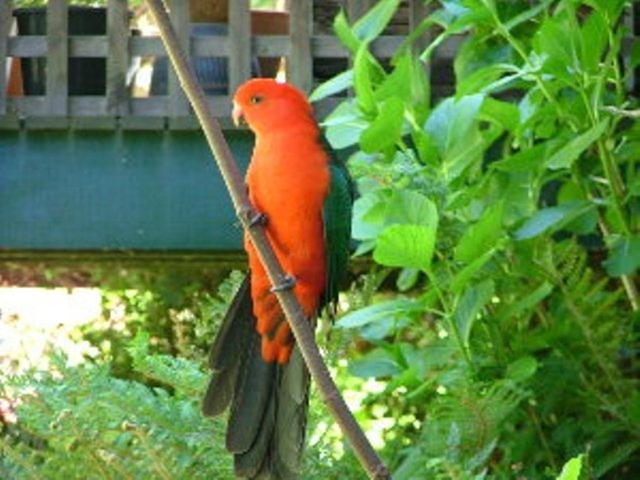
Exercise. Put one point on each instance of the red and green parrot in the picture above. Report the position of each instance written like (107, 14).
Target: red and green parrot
(305, 199)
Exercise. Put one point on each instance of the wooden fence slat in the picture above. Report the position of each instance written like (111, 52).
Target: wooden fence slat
(628, 20)
(418, 11)
(87, 106)
(322, 46)
(117, 57)
(300, 60)
(57, 57)
(209, 46)
(5, 26)
(239, 65)
(27, 46)
(179, 13)
(357, 8)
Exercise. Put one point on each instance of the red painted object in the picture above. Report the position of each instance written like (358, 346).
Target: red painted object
(14, 84)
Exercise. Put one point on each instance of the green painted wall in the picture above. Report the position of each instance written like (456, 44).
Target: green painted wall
(78, 191)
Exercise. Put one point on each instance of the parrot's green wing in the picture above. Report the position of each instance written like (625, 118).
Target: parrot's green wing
(337, 229)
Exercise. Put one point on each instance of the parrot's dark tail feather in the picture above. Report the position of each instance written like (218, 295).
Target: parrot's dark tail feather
(268, 415)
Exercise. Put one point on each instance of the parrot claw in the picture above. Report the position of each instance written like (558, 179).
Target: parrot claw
(253, 217)
(257, 218)
(286, 283)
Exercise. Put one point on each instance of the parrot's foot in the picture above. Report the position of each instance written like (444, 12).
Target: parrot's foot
(253, 217)
(257, 218)
(286, 283)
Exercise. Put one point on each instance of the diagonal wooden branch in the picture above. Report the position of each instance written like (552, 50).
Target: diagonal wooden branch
(235, 184)
(622, 112)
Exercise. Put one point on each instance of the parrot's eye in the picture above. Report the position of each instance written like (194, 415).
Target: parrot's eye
(256, 99)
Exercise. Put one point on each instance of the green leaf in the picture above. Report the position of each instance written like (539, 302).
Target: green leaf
(368, 216)
(451, 122)
(465, 275)
(375, 20)
(557, 41)
(475, 53)
(472, 301)
(376, 363)
(344, 125)
(482, 236)
(571, 470)
(362, 81)
(624, 258)
(344, 33)
(377, 312)
(633, 407)
(407, 246)
(465, 154)
(552, 217)
(568, 154)
(385, 130)
(407, 279)
(524, 160)
(340, 82)
(505, 114)
(611, 8)
(522, 369)
(410, 207)
(427, 149)
(487, 79)
(406, 81)
(594, 35)
(584, 224)
(376, 210)
(635, 53)
(526, 303)
(527, 15)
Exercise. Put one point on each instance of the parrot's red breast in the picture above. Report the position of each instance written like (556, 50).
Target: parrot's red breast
(288, 181)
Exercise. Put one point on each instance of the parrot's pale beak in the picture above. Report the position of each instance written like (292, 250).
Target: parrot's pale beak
(236, 114)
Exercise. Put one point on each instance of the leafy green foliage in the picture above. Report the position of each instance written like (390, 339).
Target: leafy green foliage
(84, 420)
(495, 332)
(571, 470)
(174, 304)
(507, 213)
(134, 412)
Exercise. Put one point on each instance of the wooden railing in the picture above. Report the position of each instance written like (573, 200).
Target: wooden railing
(303, 48)
(117, 108)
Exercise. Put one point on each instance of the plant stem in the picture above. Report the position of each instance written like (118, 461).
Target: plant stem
(157, 462)
(7, 451)
(608, 164)
(621, 111)
(543, 439)
(618, 192)
(450, 320)
(301, 328)
(586, 332)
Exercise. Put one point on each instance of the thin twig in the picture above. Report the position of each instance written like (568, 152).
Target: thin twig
(622, 112)
(235, 184)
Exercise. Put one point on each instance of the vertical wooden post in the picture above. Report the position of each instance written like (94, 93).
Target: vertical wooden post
(418, 11)
(300, 61)
(628, 19)
(239, 66)
(117, 57)
(178, 105)
(57, 94)
(357, 8)
(5, 26)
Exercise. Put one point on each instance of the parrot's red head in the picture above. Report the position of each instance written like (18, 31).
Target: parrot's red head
(267, 105)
